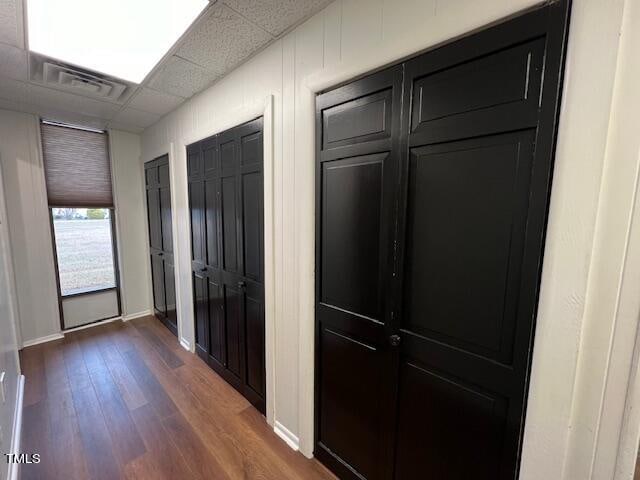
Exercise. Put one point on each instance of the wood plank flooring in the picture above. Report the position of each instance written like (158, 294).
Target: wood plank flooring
(124, 400)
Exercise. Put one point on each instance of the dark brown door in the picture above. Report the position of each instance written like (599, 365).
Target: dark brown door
(158, 192)
(430, 234)
(357, 184)
(226, 203)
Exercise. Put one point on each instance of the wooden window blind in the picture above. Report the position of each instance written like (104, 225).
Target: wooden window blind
(77, 167)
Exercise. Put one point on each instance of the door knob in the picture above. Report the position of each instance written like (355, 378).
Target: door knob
(241, 284)
(394, 340)
(203, 269)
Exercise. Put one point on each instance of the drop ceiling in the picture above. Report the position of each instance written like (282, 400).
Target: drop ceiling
(226, 34)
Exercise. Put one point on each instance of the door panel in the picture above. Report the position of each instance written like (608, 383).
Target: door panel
(352, 419)
(486, 93)
(195, 165)
(170, 289)
(165, 209)
(433, 182)
(151, 176)
(453, 428)
(251, 148)
(212, 214)
(157, 274)
(229, 223)
(210, 156)
(359, 120)
(351, 230)
(217, 332)
(255, 344)
(198, 235)
(467, 206)
(252, 200)
(155, 219)
(163, 173)
(232, 325)
(201, 294)
(228, 160)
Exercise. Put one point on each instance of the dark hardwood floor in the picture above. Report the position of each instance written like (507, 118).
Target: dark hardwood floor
(124, 400)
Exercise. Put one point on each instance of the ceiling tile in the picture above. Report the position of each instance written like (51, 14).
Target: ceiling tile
(153, 101)
(11, 22)
(182, 78)
(276, 16)
(135, 118)
(48, 98)
(14, 62)
(23, 97)
(222, 40)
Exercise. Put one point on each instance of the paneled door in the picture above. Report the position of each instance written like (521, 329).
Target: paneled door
(158, 190)
(357, 178)
(226, 207)
(433, 182)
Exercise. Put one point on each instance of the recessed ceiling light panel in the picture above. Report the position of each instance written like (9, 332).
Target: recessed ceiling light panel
(122, 38)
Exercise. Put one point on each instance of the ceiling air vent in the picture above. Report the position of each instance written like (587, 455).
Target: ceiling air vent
(55, 74)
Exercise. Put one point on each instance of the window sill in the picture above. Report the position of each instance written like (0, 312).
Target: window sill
(86, 291)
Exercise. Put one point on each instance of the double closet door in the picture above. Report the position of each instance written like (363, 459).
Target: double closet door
(158, 189)
(433, 181)
(226, 208)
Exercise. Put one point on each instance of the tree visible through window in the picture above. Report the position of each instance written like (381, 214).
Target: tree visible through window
(84, 248)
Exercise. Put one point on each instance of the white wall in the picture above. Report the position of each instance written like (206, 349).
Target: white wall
(347, 39)
(29, 225)
(131, 223)
(9, 363)
(81, 310)
(30, 231)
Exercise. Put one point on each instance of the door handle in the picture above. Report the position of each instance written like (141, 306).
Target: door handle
(394, 340)
(242, 284)
(160, 254)
(203, 269)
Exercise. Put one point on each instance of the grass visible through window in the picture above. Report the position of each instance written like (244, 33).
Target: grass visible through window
(84, 248)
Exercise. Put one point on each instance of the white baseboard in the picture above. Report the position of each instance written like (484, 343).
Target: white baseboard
(37, 341)
(14, 468)
(185, 344)
(133, 316)
(285, 434)
(56, 336)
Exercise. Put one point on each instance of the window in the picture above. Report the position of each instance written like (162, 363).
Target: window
(79, 192)
(84, 249)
